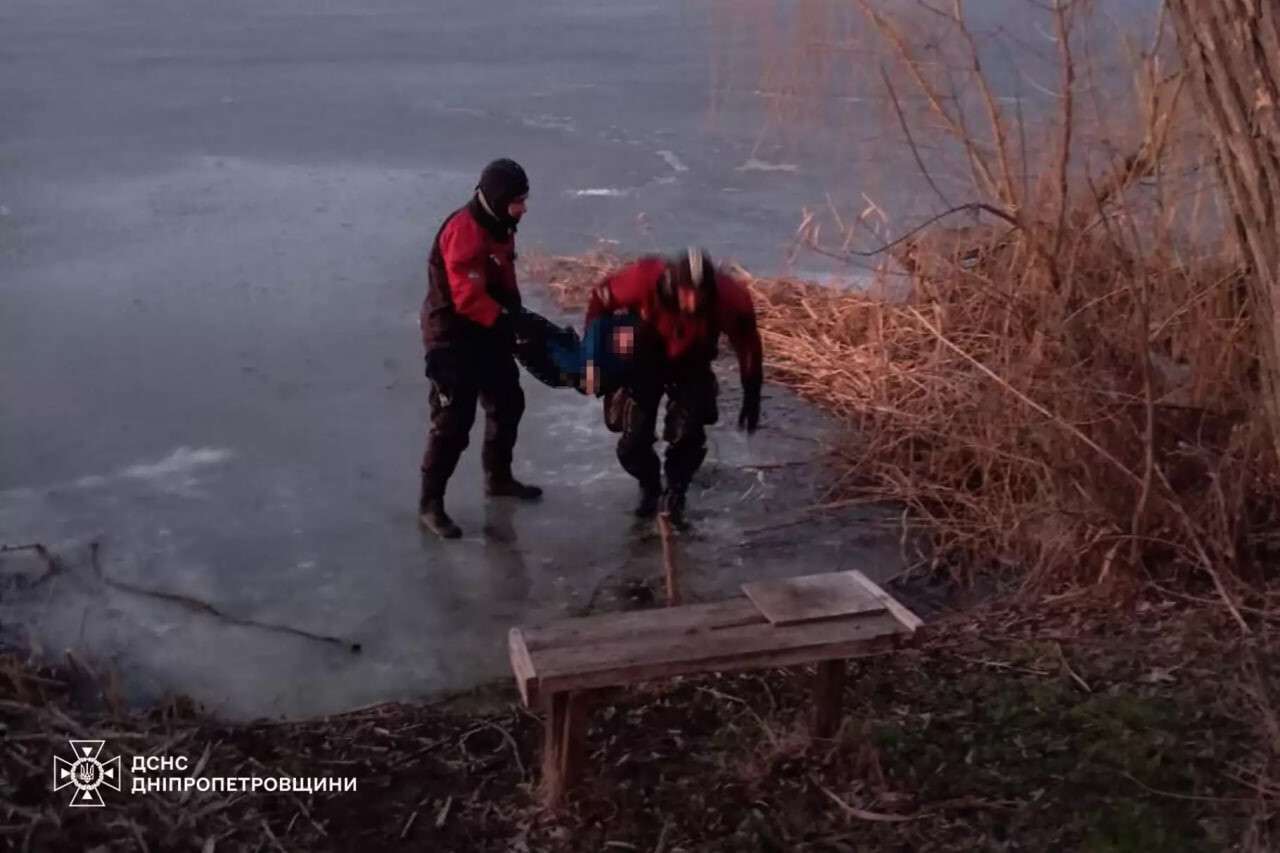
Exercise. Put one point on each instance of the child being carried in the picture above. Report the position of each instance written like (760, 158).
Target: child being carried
(556, 356)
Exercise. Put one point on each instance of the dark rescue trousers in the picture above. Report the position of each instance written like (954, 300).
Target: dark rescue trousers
(459, 379)
(691, 406)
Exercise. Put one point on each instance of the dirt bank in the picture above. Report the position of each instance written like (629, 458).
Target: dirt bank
(1004, 730)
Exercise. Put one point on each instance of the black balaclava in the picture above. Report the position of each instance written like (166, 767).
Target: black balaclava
(502, 182)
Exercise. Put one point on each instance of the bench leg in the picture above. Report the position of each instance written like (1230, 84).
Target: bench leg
(562, 745)
(828, 690)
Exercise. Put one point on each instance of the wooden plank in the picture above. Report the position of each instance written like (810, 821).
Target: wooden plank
(689, 618)
(627, 661)
(522, 666)
(669, 560)
(908, 619)
(726, 642)
(832, 595)
(828, 698)
(764, 660)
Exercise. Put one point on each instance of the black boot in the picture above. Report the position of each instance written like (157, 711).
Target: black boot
(649, 497)
(432, 517)
(506, 486)
(672, 506)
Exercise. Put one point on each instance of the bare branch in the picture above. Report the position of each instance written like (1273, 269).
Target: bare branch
(1063, 27)
(906, 131)
(994, 116)
(890, 32)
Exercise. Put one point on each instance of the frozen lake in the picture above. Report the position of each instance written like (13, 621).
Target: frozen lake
(214, 219)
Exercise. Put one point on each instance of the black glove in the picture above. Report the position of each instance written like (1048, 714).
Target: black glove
(512, 302)
(522, 324)
(749, 417)
(504, 330)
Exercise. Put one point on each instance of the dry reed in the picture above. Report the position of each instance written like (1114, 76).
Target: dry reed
(1069, 387)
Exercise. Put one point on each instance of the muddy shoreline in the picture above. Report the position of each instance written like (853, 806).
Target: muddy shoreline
(1044, 728)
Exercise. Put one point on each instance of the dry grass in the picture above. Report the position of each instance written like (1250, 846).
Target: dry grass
(1069, 387)
(1016, 437)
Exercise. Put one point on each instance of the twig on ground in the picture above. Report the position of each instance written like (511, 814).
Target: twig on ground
(1001, 665)
(1071, 672)
(1188, 797)
(863, 814)
(199, 606)
(506, 737)
(444, 813)
(408, 824)
(271, 836)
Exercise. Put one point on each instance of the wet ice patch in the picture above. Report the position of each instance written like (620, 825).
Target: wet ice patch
(598, 475)
(598, 192)
(755, 165)
(583, 474)
(578, 422)
(673, 161)
(180, 462)
(579, 430)
(549, 122)
(174, 472)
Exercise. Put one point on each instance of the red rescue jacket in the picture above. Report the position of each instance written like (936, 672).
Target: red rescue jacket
(471, 277)
(686, 338)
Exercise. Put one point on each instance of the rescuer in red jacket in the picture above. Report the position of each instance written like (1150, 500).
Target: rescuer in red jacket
(468, 335)
(683, 304)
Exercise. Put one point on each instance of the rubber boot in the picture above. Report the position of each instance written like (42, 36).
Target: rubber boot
(506, 486)
(672, 506)
(432, 517)
(650, 495)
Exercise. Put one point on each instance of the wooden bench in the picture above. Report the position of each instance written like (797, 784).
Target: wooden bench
(817, 619)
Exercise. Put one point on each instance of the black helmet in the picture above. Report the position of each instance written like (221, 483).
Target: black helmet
(692, 268)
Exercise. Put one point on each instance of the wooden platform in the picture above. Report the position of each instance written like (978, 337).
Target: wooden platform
(807, 599)
(821, 619)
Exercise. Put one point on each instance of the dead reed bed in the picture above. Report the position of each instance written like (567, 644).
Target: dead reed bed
(1058, 448)
(1067, 387)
